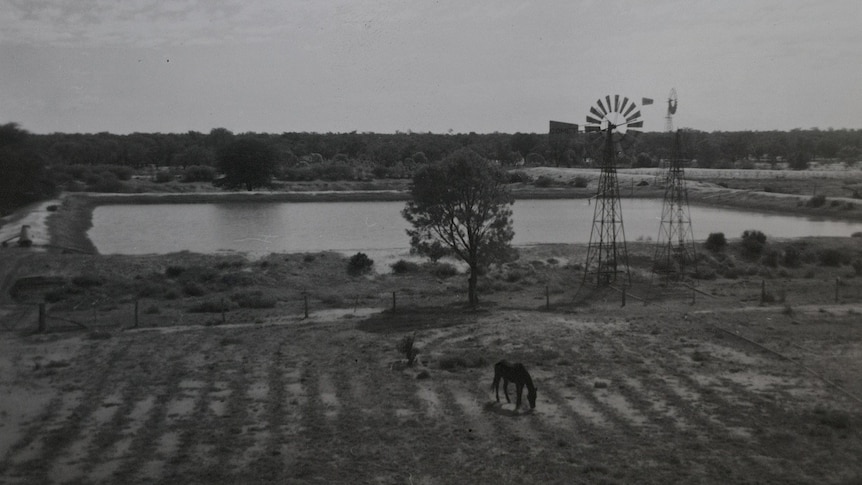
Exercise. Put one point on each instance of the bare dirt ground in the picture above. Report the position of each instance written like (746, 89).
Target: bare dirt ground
(640, 396)
(755, 377)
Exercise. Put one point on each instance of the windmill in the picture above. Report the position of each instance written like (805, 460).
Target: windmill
(668, 127)
(671, 110)
(613, 121)
(675, 250)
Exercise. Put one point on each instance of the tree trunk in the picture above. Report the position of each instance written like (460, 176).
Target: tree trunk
(471, 286)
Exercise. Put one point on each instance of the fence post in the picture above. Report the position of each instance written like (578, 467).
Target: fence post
(306, 305)
(693, 296)
(762, 291)
(136, 313)
(393, 300)
(624, 296)
(547, 298)
(223, 317)
(43, 318)
(837, 283)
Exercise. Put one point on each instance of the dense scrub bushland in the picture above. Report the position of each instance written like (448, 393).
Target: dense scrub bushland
(34, 165)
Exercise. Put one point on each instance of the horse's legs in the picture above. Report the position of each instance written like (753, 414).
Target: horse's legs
(520, 388)
(506, 389)
(496, 386)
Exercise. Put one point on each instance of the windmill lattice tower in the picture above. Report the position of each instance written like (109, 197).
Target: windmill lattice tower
(675, 250)
(607, 256)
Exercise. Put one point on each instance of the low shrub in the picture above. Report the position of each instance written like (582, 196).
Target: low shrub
(453, 362)
(792, 257)
(229, 264)
(514, 276)
(200, 274)
(210, 306)
(715, 242)
(359, 264)
(816, 201)
(403, 267)
(163, 177)
(332, 299)
(699, 356)
(174, 271)
(443, 270)
(191, 288)
(199, 173)
(238, 279)
(771, 258)
(87, 280)
(254, 299)
(150, 290)
(544, 181)
(831, 257)
(833, 418)
(705, 274)
(105, 182)
(518, 176)
(730, 273)
(580, 181)
(753, 242)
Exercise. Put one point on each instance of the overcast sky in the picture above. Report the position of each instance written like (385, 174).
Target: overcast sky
(393, 65)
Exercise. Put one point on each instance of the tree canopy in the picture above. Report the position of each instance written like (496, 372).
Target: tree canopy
(461, 206)
(24, 177)
(246, 163)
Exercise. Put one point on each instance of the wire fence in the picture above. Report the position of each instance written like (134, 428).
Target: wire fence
(105, 313)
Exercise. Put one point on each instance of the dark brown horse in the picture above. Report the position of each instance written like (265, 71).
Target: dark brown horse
(518, 374)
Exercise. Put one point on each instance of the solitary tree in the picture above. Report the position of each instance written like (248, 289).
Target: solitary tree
(461, 204)
(246, 163)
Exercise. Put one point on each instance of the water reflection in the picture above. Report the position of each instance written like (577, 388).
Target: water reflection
(256, 218)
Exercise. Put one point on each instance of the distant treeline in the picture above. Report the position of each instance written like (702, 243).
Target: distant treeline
(389, 150)
(34, 166)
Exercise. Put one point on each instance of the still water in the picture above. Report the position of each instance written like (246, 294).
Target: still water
(263, 227)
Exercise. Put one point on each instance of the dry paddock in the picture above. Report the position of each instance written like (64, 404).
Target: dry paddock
(642, 396)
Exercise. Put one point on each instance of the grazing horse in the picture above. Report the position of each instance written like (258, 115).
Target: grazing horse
(518, 374)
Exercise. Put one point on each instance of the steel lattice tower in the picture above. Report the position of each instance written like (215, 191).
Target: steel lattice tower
(617, 119)
(675, 250)
(607, 257)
